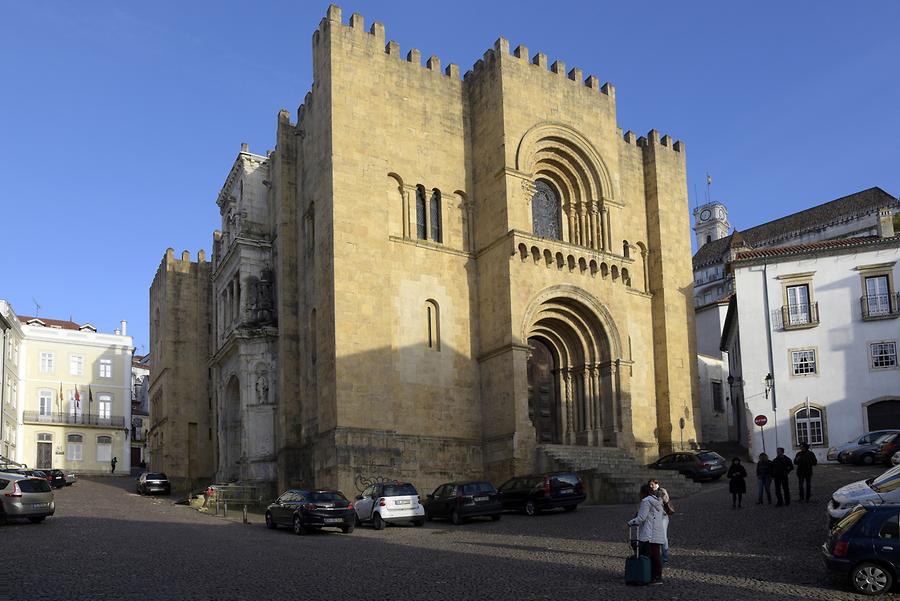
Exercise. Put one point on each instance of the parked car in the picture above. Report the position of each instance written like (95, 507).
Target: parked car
(56, 478)
(864, 547)
(311, 509)
(877, 491)
(458, 501)
(535, 493)
(870, 453)
(151, 482)
(71, 478)
(389, 503)
(699, 465)
(25, 497)
(836, 453)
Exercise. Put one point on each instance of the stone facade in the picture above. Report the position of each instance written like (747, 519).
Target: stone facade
(457, 271)
(182, 442)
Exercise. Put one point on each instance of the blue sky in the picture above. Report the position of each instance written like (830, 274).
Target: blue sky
(120, 120)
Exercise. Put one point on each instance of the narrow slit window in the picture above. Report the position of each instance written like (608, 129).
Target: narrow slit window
(421, 229)
(434, 216)
(432, 325)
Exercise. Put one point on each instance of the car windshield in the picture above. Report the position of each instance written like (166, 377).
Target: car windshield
(399, 490)
(887, 481)
(156, 477)
(478, 488)
(325, 497)
(34, 485)
(851, 518)
(710, 456)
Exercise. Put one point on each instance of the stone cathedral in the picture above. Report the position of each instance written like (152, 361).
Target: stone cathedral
(435, 277)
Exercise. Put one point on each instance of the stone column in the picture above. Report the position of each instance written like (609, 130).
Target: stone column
(582, 226)
(573, 228)
(567, 391)
(404, 214)
(609, 244)
(597, 396)
(604, 228)
(644, 253)
(595, 227)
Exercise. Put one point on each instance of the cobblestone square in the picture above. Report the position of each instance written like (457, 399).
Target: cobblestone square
(105, 542)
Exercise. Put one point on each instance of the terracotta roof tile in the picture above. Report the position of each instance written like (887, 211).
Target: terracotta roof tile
(52, 323)
(799, 249)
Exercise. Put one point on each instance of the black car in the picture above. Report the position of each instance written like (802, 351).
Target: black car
(311, 509)
(56, 478)
(699, 465)
(151, 482)
(536, 493)
(458, 501)
(864, 547)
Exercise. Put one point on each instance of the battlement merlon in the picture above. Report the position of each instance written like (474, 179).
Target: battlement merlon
(500, 53)
(653, 141)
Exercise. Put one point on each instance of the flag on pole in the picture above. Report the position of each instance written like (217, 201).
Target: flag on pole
(77, 398)
(708, 179)
(59, 399)
(90, 398)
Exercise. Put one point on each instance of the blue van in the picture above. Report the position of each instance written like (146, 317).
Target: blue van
(864, 548)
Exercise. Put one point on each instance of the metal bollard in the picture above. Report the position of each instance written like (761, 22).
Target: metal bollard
(225, 509)
(217, 505)
(245, 514)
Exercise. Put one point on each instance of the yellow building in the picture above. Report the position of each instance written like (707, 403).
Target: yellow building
(75, 398)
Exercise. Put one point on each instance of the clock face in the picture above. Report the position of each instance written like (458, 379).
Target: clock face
(705, 214)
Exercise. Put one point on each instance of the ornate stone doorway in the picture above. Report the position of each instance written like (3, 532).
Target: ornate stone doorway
(543, 386)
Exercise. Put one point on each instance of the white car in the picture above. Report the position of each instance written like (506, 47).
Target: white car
(883, 489)
(389, 503)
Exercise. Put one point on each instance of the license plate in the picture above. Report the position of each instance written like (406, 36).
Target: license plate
(37, 505)
(333, 520)
(481, 499)
(403, 502)
(566, 491)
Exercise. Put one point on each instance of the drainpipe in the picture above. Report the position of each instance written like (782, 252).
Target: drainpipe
(5, 334)
(769, 345)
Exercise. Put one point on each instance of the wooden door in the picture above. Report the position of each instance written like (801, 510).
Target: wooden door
(543, 405)
(44, 455)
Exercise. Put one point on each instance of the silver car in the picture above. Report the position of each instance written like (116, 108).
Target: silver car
(24, 497)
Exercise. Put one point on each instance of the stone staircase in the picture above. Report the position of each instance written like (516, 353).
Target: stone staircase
(610, 474)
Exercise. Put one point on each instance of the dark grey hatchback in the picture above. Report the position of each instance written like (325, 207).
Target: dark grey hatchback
(458, 501)
(533, 494)
(698, 465)
(303, 510)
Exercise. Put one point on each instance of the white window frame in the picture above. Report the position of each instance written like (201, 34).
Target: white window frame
(797, 362)
(104, 406)
(76, 365)
(47, 360)
(105, 448)
(45, 404)
(889, 350)
(13, 394)
(105, 368)
(74, 448)
(815, 426)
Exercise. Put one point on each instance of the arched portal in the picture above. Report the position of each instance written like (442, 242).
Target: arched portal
(575, 387)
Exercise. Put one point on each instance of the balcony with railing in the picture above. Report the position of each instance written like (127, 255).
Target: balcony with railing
(80, 419)
(880, 306)
(800, 316)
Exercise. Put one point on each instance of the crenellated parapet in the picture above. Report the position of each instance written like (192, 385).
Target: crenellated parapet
(654, 140)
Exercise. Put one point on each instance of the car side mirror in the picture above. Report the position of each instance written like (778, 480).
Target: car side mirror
(359, 497)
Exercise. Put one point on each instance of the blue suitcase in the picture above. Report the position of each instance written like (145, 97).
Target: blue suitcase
(637, 567)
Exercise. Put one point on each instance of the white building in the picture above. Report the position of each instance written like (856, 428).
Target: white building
(10, 356)
(812, 340)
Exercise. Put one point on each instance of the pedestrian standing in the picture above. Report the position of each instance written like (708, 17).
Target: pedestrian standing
(113, 463)
(764, 479)
(668, 509)
(650, 536)
(737, 485)
(781, 467)
(805, 460)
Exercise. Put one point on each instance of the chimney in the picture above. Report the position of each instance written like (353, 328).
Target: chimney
(885, 223)
(123, 328)
(245, 147)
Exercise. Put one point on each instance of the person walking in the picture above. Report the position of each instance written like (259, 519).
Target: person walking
(737, 485)
(113, 463)
(668, 509)
(805, 460)
(764, 479)
(781, 467)
(650, 535)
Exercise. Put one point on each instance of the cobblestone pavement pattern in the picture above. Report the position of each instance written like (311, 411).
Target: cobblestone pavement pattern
(107, 543)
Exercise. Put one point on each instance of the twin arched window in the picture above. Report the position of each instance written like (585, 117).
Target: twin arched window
(429, 225)
(545, 211)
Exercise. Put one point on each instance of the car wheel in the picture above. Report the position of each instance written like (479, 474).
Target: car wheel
(37, 519)
(867, 459)
(270, 523)
(530, 508)
(377, 522)
(298, 526)
(428, 515)
(455, 518)
(347, 529)
(496, 517)
(570, 508)
(419, 523)
(138, 490)
(870, 579)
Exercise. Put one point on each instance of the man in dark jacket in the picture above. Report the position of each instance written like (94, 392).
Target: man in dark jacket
(805, 460)
(781, 467)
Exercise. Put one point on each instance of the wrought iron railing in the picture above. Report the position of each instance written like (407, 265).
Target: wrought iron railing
(880, 306)
(805, 315)
(87, 419)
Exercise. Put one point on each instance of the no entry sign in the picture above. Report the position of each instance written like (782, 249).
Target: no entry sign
(760, 420)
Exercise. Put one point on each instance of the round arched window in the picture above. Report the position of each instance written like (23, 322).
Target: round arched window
(545, 210)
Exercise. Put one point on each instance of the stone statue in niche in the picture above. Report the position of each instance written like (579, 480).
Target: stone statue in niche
(262, 388)
(260, 311)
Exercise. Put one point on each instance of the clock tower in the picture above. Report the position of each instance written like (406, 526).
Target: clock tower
(710, 222)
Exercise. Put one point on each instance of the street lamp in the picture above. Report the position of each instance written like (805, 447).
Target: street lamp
(770, 383)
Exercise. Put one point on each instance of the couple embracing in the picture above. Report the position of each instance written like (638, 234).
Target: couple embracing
(653, 520)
